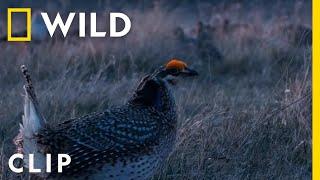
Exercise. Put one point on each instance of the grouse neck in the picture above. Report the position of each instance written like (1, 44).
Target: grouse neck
(154, 92)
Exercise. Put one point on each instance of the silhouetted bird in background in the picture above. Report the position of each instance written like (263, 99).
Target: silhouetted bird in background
(205, 47)
(202, 43)
(183, 45)
(128, 142)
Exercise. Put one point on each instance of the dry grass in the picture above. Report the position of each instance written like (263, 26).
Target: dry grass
(248, 117)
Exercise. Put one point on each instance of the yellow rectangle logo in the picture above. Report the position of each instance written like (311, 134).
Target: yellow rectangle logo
(19, 10)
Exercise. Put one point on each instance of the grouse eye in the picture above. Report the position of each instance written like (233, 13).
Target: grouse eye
(173, 72)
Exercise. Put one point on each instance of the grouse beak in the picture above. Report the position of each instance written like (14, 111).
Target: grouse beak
(189, 72)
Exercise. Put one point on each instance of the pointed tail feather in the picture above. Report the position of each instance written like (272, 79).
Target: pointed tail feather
(32, 123)
(32, 119)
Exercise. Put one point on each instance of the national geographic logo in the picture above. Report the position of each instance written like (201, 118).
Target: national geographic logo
(51, 25)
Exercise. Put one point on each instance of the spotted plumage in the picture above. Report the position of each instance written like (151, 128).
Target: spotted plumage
(127, 142)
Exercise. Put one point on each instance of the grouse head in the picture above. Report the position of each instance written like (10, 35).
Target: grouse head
(153, 89)
(174, 69)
